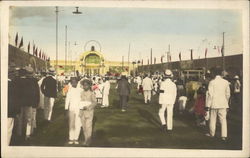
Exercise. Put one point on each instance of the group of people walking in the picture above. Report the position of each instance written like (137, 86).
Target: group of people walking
(212, 98)
(26, 94)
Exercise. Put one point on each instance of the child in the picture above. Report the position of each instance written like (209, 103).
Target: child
(87, 105)
(199, 107)
(73, 98)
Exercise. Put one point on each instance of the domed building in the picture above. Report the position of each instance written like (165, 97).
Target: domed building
(93, 63)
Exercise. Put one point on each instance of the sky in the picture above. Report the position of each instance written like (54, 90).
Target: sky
(141, 28)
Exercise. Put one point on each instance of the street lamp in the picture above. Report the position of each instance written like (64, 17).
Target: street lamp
(77, 12)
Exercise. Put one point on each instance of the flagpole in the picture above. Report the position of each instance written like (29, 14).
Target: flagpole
(223, 50)
(128, 58)
(65, 64)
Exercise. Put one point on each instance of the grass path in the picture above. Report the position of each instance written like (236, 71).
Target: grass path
(138, 127)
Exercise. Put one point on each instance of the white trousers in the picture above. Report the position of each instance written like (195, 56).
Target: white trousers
(182, 105)
(169, 108)
(10, 129)
(74, 125)
(105, 100)
(222, 114)
(48, 107)
(25, 120)
(147, 95)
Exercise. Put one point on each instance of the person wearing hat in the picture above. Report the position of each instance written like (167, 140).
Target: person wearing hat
(72, 102)
(236, 98)
(219, 94)
(49, 90)
(168, 92)
(123, 89)
(13, 107)
(41, 103)
(28, 99)
(87, 105)
(147, 85)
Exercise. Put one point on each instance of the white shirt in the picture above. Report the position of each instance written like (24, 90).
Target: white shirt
(170, 92)
(73, 98)
(219, 93)
(147, 84)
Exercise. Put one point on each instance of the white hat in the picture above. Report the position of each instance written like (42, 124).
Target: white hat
(124, 73)
(51, 69)
(168, 73)
(236, 77)
(29, 69)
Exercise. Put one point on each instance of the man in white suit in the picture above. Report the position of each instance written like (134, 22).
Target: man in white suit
(147, 85)
(167, 98)
(219, 94)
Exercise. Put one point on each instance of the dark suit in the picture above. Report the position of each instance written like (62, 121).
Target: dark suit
(123, 90)
(49, 87)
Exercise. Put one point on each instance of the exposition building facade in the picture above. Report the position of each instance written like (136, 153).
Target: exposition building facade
(93, 63)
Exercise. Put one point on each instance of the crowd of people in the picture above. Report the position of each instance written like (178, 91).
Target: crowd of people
(209, 97)
(27, 92)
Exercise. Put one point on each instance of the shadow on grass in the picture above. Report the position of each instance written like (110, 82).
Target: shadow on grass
(149, 117)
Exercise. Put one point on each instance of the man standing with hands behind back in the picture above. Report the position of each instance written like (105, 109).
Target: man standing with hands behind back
(219, 94)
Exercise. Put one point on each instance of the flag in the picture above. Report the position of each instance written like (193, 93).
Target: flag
(222, 50)
(29, 47)
(206, 53)
(219, 51)
(180, 56)
(34, 49)
(191, 50)
(154, 60)
(16, 39)
(40, 53)
(36, 52)
(21, 43)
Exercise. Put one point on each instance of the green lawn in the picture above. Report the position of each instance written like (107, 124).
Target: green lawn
(139, 127)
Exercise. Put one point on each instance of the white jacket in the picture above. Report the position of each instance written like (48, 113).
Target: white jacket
(147, 84)
(219, 93)
(73, 98)
(170, 91)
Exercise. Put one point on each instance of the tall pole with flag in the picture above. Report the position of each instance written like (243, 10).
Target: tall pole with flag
(16, 39)
(21, 43)
(206, 58)
(223, 51)
(29, 48)
(128, 57)
(180, 60)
